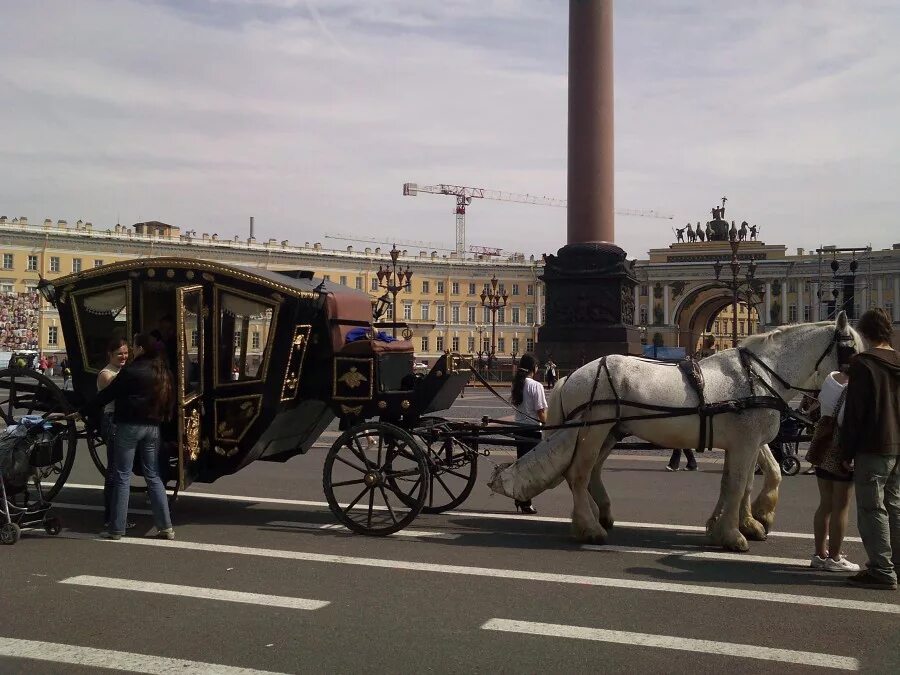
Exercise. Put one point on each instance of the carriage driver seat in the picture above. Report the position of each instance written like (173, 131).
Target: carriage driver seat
(353, 309)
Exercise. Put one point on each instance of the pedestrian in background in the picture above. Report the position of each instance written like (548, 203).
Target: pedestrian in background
(870, 440)
(117, 357)
(531, 408)
(675, 460)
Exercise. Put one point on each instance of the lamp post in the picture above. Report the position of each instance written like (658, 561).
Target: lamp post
(493, 298)
(742, 289)
(837, 279)
(480, 351)
(392, 280)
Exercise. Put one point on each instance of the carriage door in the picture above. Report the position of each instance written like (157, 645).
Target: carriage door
(189, 378)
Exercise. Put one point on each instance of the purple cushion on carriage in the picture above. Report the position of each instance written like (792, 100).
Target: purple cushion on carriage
(371, 347)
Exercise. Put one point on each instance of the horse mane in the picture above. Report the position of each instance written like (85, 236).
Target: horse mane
(782, 332)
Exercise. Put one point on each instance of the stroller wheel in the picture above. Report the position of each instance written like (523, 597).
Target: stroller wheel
(9, 534)
(52, 526)
(790, 465)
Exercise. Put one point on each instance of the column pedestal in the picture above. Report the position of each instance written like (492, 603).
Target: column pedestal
(589, 305)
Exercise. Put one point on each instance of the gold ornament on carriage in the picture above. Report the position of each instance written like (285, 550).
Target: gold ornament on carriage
(352, 378)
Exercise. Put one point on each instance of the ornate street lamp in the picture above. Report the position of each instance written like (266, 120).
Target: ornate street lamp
(742, 289)
(493, 298)
(392, 280)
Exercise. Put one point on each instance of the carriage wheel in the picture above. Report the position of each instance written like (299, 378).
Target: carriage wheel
(790, 465)
(452, 467)
(26, 392)
(375, 478)
(9, 533)
(97, 448)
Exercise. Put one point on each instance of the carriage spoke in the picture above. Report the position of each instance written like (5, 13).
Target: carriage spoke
(344, 483)
(443, 485)
(358, 497)
(388, 504)
(454, 473)
(349, 463)
(359, 452)
(401, 474)
(380, 447)
(371, 506)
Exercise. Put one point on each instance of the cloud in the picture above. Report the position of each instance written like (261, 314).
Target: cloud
(310, 114)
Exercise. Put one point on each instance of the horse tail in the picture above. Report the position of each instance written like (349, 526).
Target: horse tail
(544, 467)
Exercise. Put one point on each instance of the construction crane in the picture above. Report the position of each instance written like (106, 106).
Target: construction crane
(465, 195)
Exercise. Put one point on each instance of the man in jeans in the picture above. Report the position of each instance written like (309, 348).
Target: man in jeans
(870, 439)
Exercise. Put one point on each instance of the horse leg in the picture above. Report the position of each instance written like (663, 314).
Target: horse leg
(585, 524)
(596, 488)
(751, 528)
(739, 461)
(764, 505)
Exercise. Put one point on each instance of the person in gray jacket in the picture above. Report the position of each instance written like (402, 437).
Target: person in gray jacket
(870, 439)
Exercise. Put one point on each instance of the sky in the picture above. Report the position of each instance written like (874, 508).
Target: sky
(311, 114)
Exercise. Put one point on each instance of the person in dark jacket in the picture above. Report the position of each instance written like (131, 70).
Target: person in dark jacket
(143, 396)
(870, 439)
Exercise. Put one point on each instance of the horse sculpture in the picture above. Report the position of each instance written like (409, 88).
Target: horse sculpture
(609, 399)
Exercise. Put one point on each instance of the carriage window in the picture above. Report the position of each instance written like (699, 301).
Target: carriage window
(244, 329)
(102, 315)
(191, 344)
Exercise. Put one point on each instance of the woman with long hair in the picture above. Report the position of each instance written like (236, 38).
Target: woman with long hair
(144, 397)
(117, 357)
(531, 408)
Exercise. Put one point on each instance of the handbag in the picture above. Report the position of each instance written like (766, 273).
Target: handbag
(823, 446)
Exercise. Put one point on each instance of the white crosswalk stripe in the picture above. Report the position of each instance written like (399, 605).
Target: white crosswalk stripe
(195, 592)
(114, 660)
(673, 642)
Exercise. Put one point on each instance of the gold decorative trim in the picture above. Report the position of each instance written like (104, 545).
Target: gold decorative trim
(191, 423)
(184, 263)
(151, 272)
(404, 404)
(217, 327)
(182, 342)
(292, 379)
(334, 379)
(382, 405)
(78, 328)
(351, 410)
(236, 440)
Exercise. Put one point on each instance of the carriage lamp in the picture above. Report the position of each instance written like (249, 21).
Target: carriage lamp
(47, 290)
(381, 306)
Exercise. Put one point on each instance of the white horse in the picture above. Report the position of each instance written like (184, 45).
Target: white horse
(800, 355)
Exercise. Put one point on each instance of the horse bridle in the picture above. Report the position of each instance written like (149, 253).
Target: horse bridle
(845, 349)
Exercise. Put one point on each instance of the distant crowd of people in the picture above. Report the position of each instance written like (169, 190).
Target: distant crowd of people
(19, 321)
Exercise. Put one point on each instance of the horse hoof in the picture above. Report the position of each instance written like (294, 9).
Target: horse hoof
(595, 535)
(607, 522)
(765, 519)
(736, 543)
(753, 530)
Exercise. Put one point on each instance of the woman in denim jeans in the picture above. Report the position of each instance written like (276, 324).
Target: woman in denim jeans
(144, 396)
(117, 355)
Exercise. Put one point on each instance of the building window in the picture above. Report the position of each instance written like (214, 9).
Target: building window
(471, 289)
(529, 345)
(454, 288)
(502, 288)
(326, 277)
(470, 343)
(807, 313)
(530, 289)
(237, 339)
(7, 261)
(515, 315)
(440, 287)
(195, 338)
(645, 290)
(254, 340)
(486, 345)
(426, 286)
(441, 314)
(741, 327)
(6, 288)
(439, 343)
(501, 345)
(343, 280)
(472, 314)
(485, 315)
(408, 286)
(425, 343)
(52, 335)
(76, 265)
(425, 312)
(792, 313)
(501, 315)
(515, 345)
(792, 286)
(32, 263)
(374, 285)
(407, 311)
(454, 314)
(54, 263)
(359, 283)
(454, 344)
(529, 315)
(515, 289)
(98, 262)
(390, 313)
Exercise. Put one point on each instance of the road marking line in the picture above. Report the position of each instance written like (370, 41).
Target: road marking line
(340, 528)
(497, 573)
(115, 660)
(674, 642)
(196, 592)
(700, 555)
(467, 514)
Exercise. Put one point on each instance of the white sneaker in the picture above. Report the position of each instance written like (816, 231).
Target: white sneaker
(840, 565)
(818, 563)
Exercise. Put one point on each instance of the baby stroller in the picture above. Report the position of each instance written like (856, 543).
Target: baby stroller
(28, 451)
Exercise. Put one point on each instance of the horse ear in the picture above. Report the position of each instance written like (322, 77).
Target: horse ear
(842, 322)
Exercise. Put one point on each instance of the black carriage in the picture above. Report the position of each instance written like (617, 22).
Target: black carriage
(264, 362)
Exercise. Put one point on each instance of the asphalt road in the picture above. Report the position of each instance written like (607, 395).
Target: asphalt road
(260, 579)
